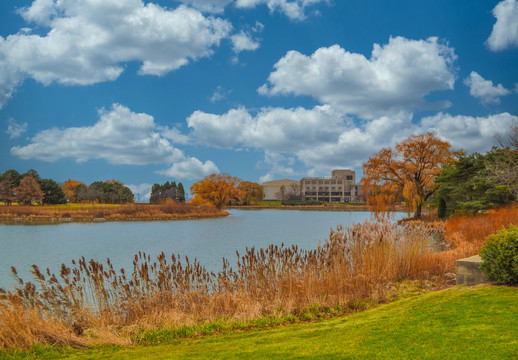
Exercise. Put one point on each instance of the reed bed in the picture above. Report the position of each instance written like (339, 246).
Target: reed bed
(91, 302)
(86, 212)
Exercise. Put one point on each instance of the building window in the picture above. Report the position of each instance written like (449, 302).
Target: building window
(349, 177)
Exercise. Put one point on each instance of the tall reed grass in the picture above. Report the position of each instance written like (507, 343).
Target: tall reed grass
(91, 302)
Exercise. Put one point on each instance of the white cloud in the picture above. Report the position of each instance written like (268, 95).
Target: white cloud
(484, 89)
(294, 9)
(89, 41)
(119, 137)
(190, 168)
(278, 165)
(141, 192)
(273, 129)
(357, 143)
(396, 78)
(468, 132)
(14, 129)
(219, 94)
(244, 41)
(505, 30)
(213, 6)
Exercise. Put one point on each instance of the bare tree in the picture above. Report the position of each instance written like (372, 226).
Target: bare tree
(509, 138)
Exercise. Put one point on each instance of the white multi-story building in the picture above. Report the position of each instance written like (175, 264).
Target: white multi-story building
(340, 187)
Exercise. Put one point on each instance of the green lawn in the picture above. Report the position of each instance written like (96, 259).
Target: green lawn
(479, 323)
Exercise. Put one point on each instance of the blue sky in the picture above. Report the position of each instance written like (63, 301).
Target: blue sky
(150, 91)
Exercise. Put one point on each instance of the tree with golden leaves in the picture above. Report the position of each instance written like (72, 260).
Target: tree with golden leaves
(29, 191)
(251, 192)
(218, 189)
(406, 172)
(69, 187)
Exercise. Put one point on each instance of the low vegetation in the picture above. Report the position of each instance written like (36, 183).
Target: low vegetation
(500, 256)
(167, 210)
(475, 323)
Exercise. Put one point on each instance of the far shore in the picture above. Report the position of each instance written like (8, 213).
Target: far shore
(96, 213)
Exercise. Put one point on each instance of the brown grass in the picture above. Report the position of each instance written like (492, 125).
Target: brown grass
(168, 210)
(92, 303)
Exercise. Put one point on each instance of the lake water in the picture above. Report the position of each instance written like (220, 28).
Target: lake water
(48, 246)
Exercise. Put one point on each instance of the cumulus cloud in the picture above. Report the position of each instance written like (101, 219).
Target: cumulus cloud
(294, 9)
(396, 78)
(484, 89)
(274, 129)
(89, 41)
(190, 168)
(212, 6)
(505, 30)
(120, 136)
(244, 41)
(14, 129)
(468, 132)
(322, 138)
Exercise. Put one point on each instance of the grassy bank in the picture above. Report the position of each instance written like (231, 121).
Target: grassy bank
(105, 212)
(456, 323)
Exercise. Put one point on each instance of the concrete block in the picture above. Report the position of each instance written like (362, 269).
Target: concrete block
(469, 272)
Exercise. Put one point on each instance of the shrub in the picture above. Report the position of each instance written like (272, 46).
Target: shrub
(500, 256)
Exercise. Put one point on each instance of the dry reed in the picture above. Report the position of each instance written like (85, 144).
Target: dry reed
(89, 298)
(85, 212)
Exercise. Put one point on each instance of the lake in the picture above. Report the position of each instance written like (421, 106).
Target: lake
(48, 246)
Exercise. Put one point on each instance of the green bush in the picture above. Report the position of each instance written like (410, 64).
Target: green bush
(500, 256)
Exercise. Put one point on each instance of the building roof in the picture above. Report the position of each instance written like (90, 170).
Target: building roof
(279, 182)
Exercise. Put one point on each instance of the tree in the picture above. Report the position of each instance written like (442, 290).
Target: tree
(54, 193)
(476, 182)
(218, 189)
(509, 138)
(81, 193)
(406, 172)
(166, 191)
(252, 192)
(69, 187)
(6, 191)
(29, 191)
(181, 193)
(12, 176)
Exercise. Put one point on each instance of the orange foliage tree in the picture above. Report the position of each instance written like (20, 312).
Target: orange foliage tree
(69, 187)
(29, 191)
(406, 172)
(218, 189)
(251, 192)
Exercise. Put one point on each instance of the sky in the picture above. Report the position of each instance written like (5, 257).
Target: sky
(153, 91)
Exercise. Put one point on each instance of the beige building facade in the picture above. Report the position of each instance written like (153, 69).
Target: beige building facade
(340, 187)
(280, 189)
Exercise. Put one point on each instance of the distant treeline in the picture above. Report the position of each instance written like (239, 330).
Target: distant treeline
(30, 188)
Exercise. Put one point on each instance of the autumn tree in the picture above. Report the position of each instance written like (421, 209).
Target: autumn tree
(407, 171)
(69, 187)
(218, 189)
(29, 191)
(252, 192)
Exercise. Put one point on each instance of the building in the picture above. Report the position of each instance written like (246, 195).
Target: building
(340, 187)
(280, 189)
